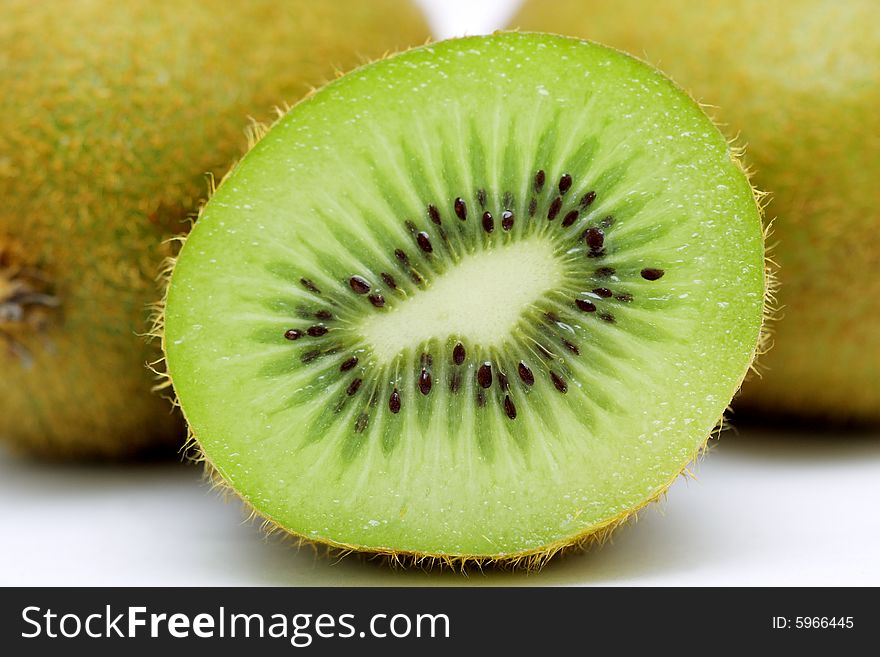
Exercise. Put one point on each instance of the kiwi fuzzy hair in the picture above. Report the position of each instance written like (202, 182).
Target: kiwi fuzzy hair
(528, 560)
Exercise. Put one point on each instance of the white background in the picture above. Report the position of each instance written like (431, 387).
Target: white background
(768, 508)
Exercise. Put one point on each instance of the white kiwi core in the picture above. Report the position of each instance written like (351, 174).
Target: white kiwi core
(482, 297)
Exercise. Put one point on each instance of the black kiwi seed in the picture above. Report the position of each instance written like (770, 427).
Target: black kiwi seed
(652, 274)
(484, 375)
(454, 381)
(559, 382)
(293, 334)
(605, 272)
(424, 242)
(434, 214)
(410, 226)
(425, 381)
(317, 331)
(481, 197)
(554, 209)
(507, 220)
(394, 401)
(607, 317)
(564, 183)
(488, 222)
(460, 209)
(309, 285)
(595, 238)
(624, 296)
(353, 387)
(309, 356)
(359, 285)
(458, 354)
(348, 364)
(570, 218)
(377, 300)
(509, 408)
(533, 207)
(525, 374)
(539, 181)
(603, 292)
(553, 317)
(388, 279)
(585, 306)
(571, 347)
(401, 256)
(588, 199)
(324, 314)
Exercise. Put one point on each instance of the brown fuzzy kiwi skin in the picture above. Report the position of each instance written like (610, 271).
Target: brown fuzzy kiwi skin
(798, 82)
(530, 560)
(113, 114)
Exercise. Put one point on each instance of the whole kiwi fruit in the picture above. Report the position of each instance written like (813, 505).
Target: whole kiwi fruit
(113, 113)
(476, 302)
(798, 83)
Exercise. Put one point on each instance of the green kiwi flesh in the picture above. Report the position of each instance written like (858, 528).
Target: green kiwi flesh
(478, 301)
(115, 113)
(798, 82)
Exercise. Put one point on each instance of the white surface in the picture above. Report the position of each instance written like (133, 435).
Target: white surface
(767, 509)
(449, 18)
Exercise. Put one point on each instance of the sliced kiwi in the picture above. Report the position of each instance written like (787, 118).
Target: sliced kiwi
(479, 301)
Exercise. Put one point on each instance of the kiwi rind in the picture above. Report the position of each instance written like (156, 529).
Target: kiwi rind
(531, 558)
(121, 109)
(797, 82)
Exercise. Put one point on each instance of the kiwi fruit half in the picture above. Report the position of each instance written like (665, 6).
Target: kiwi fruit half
(113, 114)
(799, 83)
(475, 302)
